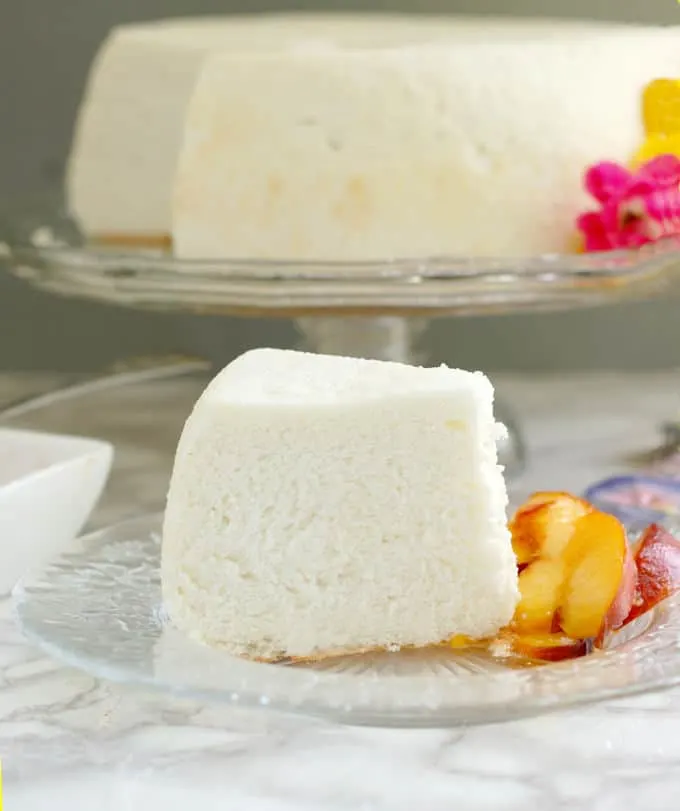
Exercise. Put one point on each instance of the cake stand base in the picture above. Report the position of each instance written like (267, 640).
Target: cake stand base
(397, 339)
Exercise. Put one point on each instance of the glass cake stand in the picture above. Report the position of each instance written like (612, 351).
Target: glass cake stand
(367, 309)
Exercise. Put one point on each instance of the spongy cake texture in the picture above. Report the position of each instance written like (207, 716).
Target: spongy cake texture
(350, 137)
(324, 504)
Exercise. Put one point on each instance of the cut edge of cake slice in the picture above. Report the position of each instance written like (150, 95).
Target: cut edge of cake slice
(323, 506)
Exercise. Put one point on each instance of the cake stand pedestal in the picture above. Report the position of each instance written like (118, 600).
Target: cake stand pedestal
(386, 338)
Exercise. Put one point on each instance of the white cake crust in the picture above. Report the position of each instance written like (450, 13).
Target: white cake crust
(356, 137)
(463, 148)
(323, 505)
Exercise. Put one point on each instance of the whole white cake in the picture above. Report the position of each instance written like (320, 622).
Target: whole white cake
(132, 119)
(356, 137)
(322, 505)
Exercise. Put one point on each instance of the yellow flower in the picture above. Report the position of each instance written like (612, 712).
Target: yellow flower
(656, 145)
(661, 107)
(661, 119)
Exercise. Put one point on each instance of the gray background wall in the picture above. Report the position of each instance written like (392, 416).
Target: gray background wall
(45, 50)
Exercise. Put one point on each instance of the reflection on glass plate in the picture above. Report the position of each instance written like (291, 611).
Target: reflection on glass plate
(99, 608)
(43, 246)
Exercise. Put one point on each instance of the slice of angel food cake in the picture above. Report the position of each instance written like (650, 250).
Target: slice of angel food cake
(324, 505)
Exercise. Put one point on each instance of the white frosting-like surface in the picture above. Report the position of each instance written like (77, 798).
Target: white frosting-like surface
(322, 504)
(472, 147)
(359, 137)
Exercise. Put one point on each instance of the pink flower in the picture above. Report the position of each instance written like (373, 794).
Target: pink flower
(636, 208)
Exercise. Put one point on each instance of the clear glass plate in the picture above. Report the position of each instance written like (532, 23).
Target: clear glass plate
(43, 247)
(98, 608)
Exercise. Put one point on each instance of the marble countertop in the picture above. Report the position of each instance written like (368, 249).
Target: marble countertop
(68, 741)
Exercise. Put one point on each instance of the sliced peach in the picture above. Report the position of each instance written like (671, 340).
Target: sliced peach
(546, 647)
(657, 557)
(542, 497)
(595, 558)
(540, 586)
(524, 541)
(624, 601)
(544, 525)
(537, 499)
(625, 597)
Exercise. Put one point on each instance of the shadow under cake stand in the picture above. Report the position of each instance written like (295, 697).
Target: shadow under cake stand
(369, 309)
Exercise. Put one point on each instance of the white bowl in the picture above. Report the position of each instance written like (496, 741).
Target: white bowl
(49, 485)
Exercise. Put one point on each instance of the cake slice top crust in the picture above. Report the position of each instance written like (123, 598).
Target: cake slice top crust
(265, 376)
